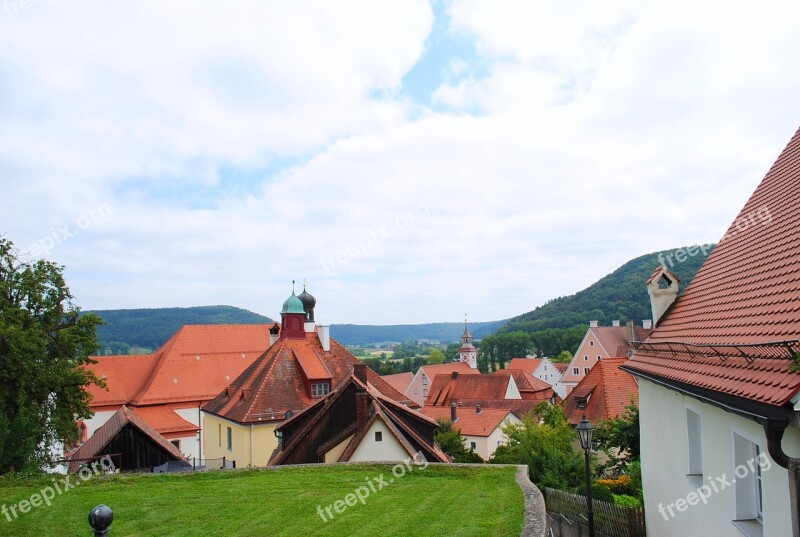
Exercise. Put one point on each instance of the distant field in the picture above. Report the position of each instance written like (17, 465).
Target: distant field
(435, 501)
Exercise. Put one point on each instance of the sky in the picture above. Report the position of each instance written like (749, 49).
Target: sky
(411, 161)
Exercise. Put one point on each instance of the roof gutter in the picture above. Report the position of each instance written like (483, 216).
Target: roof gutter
(774, 419)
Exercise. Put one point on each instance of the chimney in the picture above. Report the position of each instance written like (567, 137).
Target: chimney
(324, 334)
(362, 404)
(453, 412)
(662, 287)
(454, 375)
(360, 372)
(477, 409)
(593, 324)
(631, 333)
(274, 334)
(309, 326)
(615, 322)
(647, 324)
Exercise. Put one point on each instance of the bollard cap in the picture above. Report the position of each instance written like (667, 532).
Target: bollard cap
(101, 517)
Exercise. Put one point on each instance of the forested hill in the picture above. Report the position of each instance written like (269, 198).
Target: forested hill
(620, 295)
(359, 334)
(150, 328)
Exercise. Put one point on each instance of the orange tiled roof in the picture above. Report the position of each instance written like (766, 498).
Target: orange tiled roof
(526, 382)
(447, 368)
(164, 420)
(273, 384)
(528, 365)
(195, 364)
(609, 390)
(399, 381)
(124, 376)
(469, 420)
(747, 292)
(561, 366)
(445, 388)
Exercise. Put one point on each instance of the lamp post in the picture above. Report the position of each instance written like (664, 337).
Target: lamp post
(585, 430)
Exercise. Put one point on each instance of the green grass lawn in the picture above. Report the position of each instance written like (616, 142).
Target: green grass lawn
(437, 500)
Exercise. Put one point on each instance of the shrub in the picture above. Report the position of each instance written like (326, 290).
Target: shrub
(623, 500)
(620, 485)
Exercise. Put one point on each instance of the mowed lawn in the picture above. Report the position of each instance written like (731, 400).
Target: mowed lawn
(434, 501)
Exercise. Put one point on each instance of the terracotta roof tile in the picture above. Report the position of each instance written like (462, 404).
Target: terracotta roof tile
(528, 365)
(469, 420)
(399, 381)
(609, 389)
(447, 368)
(164, 420)
(124, 376)
(747, 292)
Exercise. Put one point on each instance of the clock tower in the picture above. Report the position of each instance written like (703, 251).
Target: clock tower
(468, 353)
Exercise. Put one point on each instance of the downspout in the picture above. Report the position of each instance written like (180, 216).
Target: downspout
(199, 432)
(252, 443)
(773, 430)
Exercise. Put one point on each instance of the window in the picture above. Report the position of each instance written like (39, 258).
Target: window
(586, 357)
(230, 439)
(748, 458)
(694, 433)
(425, 392)
(424, 380)
(473, 446)
(176, 443)
(586, 370)
(598, 357)
(576, 371)
(320, 389)
(591, 343)
(378, 436)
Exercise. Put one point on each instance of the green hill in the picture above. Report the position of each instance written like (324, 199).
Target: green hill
(561, 323)
(359, 334)
(150, 328)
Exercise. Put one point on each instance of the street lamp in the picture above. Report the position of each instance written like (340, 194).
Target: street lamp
(585, 430)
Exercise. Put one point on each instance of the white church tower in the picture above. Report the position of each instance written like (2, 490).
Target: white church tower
(468, 353)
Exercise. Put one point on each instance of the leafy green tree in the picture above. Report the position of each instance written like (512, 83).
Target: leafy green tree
(564, 357)
(498, 349)
(619, 437)
(450, 440)
(543, 441)
(44, 344)
(436, 357)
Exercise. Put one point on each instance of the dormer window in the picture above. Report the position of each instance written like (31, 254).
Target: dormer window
(320, 389)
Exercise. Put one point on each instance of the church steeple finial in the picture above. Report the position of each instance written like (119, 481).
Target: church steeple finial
(468, 353)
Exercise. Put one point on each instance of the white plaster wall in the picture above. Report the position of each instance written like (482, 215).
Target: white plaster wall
(97, 421)
(389, 449)
(664, 445)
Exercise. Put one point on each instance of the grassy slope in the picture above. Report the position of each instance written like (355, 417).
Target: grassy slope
(446, 501)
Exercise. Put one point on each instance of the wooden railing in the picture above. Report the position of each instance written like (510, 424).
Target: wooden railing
(609, 519)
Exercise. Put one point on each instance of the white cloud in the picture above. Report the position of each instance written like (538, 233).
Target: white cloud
(243, 145)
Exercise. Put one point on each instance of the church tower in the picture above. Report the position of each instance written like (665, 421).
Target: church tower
(468, 353)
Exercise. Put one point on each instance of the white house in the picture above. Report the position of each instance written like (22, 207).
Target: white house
(718, 390)
(543, 369)
(481, 428)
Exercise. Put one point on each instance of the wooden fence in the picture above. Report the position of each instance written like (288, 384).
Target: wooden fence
(609, 519)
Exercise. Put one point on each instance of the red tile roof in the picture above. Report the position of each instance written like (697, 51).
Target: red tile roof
(445, 388)
(447, 368)
(194, 365)
(747, 292)
(561, 366)
(311, 363)
(527, 382)
(528, 365)
(110, 429)
(164, 420)
(273, 384)
(609, 390)
(469, 420)
(399, 381)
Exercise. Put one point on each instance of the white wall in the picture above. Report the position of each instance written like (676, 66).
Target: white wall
(97, 421)
(388, 449)
(664, 445)
(485, 446)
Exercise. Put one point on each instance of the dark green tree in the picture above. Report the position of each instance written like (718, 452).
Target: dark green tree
(619, 437)
(44, 344)
(543, 441)
(450, 440)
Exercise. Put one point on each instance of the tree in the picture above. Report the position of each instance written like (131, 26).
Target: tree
(44, 344)
(436, 357)
(449, 439)
(543, 441)
(619, 437)
(564, 357)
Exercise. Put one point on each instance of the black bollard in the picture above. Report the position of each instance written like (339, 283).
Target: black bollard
(100, 518)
